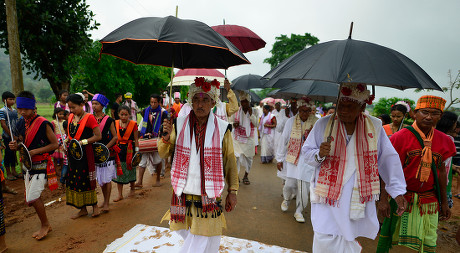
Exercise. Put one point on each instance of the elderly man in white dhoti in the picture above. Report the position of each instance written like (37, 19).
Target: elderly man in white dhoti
(347, 166)
(244, 135)
(298, 173)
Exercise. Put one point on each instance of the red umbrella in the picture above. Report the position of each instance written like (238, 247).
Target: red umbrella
(243, 38)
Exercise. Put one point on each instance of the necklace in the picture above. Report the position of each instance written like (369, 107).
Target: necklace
(99, 119)
(121, 125)
(74, 124)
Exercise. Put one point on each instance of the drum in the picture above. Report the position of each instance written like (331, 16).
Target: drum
(25, 156)
(101, 153)
(75, 150)
(148, 145)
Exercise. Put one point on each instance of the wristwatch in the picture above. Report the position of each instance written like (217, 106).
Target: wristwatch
(319, 160)
(233, 191)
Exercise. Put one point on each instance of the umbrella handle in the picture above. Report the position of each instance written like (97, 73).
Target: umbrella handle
(170, 87)
(329, 138)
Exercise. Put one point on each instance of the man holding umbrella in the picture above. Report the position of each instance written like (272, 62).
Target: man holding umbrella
(298, 174)
(201, 143)
(245, 135)
(348, 161)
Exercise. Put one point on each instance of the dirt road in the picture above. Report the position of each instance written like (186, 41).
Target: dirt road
(257, 217)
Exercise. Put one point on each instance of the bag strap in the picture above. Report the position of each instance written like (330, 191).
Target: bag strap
(433, 164)
(104, 120)
(32, 130)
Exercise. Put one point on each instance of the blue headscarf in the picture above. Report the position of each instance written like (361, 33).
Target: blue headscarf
(103, 100)
(25, 103)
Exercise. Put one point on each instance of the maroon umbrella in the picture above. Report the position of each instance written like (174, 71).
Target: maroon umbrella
(243, 38)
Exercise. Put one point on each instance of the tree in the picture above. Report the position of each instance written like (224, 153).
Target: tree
(383, 106)
(284, 47)
(453, 85)
(51, 33)
(111, 75)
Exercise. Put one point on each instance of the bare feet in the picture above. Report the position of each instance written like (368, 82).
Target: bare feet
(157, 184)
(42, 233)
(96, 211)
(131, 193)
(120, 198)
(138, 186)
(82, 212)
(3, 249)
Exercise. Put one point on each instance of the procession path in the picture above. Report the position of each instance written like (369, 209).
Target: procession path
(257, 217)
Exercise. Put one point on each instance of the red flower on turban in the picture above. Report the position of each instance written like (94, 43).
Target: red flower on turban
(346, 91)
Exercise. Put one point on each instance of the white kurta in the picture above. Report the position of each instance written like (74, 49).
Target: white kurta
(266, 137)
(248, 148)
(301, 171)
(335, 220)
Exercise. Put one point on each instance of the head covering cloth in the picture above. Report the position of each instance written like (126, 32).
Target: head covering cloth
(103, 100)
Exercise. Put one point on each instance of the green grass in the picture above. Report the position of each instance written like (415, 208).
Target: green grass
(46, 110)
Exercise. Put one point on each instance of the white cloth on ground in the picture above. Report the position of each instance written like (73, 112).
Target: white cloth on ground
(324, 243)
(335, 220)
(150, 160)
(198, 243)
(106, 172)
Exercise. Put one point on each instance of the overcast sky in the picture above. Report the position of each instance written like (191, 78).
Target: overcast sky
(426, 31)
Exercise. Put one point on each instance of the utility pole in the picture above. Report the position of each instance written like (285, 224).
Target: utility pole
(13, 46)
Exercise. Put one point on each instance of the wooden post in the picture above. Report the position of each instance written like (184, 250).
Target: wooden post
(14, 50)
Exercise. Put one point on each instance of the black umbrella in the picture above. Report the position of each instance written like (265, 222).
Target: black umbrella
(247, 82)
(316, 90)
(172, 42)
(353, 61)
(254, 97)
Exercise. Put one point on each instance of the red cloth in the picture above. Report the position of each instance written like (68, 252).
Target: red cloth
(410, 151)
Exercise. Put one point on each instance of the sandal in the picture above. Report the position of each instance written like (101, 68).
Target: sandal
(457, 196)
(246, 181)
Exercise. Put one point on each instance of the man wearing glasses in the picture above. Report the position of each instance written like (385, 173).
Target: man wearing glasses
(422, 150)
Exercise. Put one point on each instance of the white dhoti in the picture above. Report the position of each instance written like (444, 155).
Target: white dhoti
(106, 172)
(325, 243)
(198, 243)
(150, 160)
(300, 189)
(35, 183)
(244, 161)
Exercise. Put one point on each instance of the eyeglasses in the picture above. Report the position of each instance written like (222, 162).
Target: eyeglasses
(425, 113)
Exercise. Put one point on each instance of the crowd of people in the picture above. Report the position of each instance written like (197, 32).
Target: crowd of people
(351, 167)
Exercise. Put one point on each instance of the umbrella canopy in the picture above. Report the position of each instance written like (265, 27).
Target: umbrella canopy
(254, 97)
(247, 82)
(172, 42)
(279, 100)
(185, 77)
(268, 100)
(243, 38)
(353, 61)
(316, 90)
